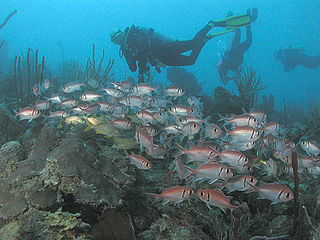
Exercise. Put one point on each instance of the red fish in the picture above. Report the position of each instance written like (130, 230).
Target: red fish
(174, 91)
(28, 113)
(311, 147)
(211, 172)
(245, 133)
(42, 105)
(72, 87)
(175, 194)
(216, 198)
(145, 140)
(274, 192)
(139, 161)
(239, 183)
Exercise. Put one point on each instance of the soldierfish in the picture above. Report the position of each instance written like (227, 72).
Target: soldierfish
(271, 128)
(69, 103)
(210, 171)
(39, 89)
(216, 198)
(72, 87)
(233, 158)
(198, 153)
(90, 109)
(311, 147)
(239, 183)
(139, 161)
(124, 85)
(241, 120)
(143, 89)
(89, 96)
(181, 110)
(121, 124)
(174, 194)
(105, 107)
(212, 131)
(42, 105)
(133, 101)
(145, 140)
(114, 92)
(259, 115)
(145, 116)
(58, 114)
(245, 133)
(274, 192)
(28, 113)
(174, 91)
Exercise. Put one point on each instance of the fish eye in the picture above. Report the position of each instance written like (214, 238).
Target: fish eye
(147, 164)
(202, 193)
(227, 170)
(251, 179)
(246, 159)
(192, 110)
(190, 192)
(215, 130)
(195, 125)
(288, 195)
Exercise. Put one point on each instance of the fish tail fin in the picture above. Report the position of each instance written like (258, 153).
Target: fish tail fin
(181, 151)
(156, 89)
(254, 188)
(89, 125)
(154, 195)
(190, 171)
(244, 111)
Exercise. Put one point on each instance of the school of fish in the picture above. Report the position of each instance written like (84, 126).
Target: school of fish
(166, 124)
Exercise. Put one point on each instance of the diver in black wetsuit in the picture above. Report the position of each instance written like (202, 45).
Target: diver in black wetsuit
(292, 57)
(233, 58)
(149, 48)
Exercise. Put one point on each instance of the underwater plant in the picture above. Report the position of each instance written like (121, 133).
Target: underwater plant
(27, 72)
(95, 72)
(7, 19)
(248, 84)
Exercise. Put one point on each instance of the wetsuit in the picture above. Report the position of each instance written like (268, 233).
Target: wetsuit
(292, 57)
(233, 58)
(152, 49)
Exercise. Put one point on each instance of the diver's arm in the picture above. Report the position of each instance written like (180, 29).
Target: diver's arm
(131, 61)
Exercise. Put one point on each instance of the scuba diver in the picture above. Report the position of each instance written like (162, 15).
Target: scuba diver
(233, 58)
(294, 56)
(148, 48)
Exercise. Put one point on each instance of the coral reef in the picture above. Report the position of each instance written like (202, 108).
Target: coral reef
(186, 80)
(248, 85)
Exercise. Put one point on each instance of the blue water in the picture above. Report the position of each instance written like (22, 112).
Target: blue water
(77, 24)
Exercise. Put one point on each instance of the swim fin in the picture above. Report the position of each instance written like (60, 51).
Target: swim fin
(237, 21)
(213, 35)
(233, 21)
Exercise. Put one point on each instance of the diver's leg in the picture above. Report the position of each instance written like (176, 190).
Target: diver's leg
(174, 59)
(244, 46)
(184, 46)
(235, 40)
(309, 61)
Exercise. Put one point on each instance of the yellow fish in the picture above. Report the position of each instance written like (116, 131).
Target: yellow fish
(271, 167)
(93, 121)
(106, 129)
(125, 143)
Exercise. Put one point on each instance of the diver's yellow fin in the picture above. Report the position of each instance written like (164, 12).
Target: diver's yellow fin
(213, 35)
(233, 21)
